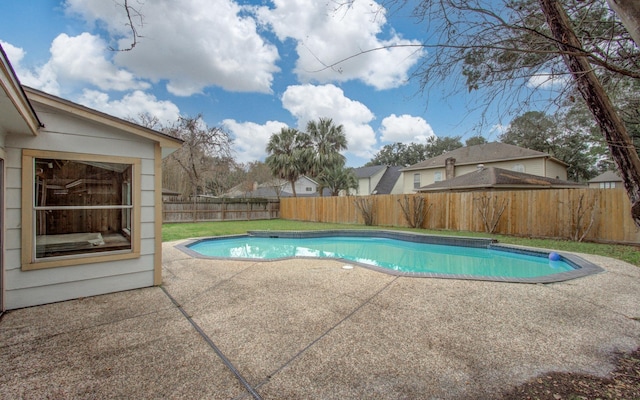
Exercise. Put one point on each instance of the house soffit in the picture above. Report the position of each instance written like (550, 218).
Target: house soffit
(18, 117)
(165, 141)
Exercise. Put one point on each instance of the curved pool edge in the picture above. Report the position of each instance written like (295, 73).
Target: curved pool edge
(581, 266)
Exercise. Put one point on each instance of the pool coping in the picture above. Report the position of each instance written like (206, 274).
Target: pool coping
(581, 266)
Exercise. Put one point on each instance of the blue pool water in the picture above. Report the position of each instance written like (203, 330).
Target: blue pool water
(392, 254)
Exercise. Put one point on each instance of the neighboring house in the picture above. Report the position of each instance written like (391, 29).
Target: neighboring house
(492, 178)
(466, 159)
(81, 198)
(378, 179)
(305, 187)
(607, 180)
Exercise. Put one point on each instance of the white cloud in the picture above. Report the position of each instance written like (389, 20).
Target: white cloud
(132, 105)
(250, 139)
(75, 61)
(498, 129)
(43, 78)
(328, 32)
(405, 129)
(192, 45)
(547, 81)
(309, 102)
(80, 59)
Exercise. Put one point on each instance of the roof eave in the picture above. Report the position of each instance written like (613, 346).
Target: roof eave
(16, 94)
(164, 140)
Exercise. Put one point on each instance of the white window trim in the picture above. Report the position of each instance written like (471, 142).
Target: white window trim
(416, 182)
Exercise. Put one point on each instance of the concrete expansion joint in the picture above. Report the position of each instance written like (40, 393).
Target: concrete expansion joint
(214, 347)
(325, 333)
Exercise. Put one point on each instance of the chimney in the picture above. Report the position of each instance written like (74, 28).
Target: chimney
(449, 168)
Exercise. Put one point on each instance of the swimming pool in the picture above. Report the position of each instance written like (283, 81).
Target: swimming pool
(400, 253)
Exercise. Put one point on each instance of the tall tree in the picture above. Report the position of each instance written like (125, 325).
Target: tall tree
(337, 178)
(594, 94)
(203, 148)
(286, 155)
(504, 48)
(327, 141)
(440, 145)
(399, 154)
(475, 140)
(629, 13)
(538, 131)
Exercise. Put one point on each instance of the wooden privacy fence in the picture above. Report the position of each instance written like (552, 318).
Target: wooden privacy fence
(205, 209)
(600, 215)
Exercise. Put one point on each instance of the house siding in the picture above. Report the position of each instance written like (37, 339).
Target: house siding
(368, 184)
(556, 170)
(66, 133)
(534, 166)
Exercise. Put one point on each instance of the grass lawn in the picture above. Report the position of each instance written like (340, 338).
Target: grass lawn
(170, 232)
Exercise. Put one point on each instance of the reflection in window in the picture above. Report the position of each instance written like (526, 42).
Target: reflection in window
(81, 207)
(518, 168)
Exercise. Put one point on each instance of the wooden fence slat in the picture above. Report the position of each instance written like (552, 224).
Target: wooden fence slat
(531, 213)
(219, 210)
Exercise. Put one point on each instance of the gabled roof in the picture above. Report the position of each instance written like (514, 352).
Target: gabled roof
(166, 141)
(388, 180)
(481, 153)
(18, 115)
(498, 178)
(609, 176)
(367, 172)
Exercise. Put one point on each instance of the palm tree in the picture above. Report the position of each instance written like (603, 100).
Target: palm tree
(286, 155)
(327, 141)
(338, 178)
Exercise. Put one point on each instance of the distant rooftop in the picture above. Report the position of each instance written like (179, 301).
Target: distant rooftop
(498, 178)
(482, 153)
(609, 176)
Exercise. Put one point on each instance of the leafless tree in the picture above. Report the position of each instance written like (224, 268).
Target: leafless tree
(491, 210)
(367, 208)
(496, 47)
(415, 210)
(203, 147)
(132, 13)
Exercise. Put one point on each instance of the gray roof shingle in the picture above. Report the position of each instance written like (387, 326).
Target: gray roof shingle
(498, 178)
(478, 154)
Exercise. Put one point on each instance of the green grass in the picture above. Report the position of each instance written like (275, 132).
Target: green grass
(171, 232)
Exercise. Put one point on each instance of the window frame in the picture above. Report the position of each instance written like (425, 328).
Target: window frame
(519, 167)
(416, 182)
(29, 261)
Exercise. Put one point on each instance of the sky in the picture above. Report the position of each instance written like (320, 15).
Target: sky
(250, 67)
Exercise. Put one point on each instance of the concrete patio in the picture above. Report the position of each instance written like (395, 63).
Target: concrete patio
(311, 329)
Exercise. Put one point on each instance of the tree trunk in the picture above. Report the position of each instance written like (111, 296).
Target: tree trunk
(629, 13)
(611, 125)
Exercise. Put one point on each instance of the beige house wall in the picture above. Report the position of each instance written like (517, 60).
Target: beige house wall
(535, 166)
(556, 170)
(366, 185)
(64, 132)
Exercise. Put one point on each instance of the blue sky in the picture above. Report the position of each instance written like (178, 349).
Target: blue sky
(252, 67)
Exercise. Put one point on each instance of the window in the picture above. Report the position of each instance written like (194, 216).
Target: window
(607, 185)
(518, 168)
(78, 206)
(416, 181)
(437, 176)
(308, 189)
